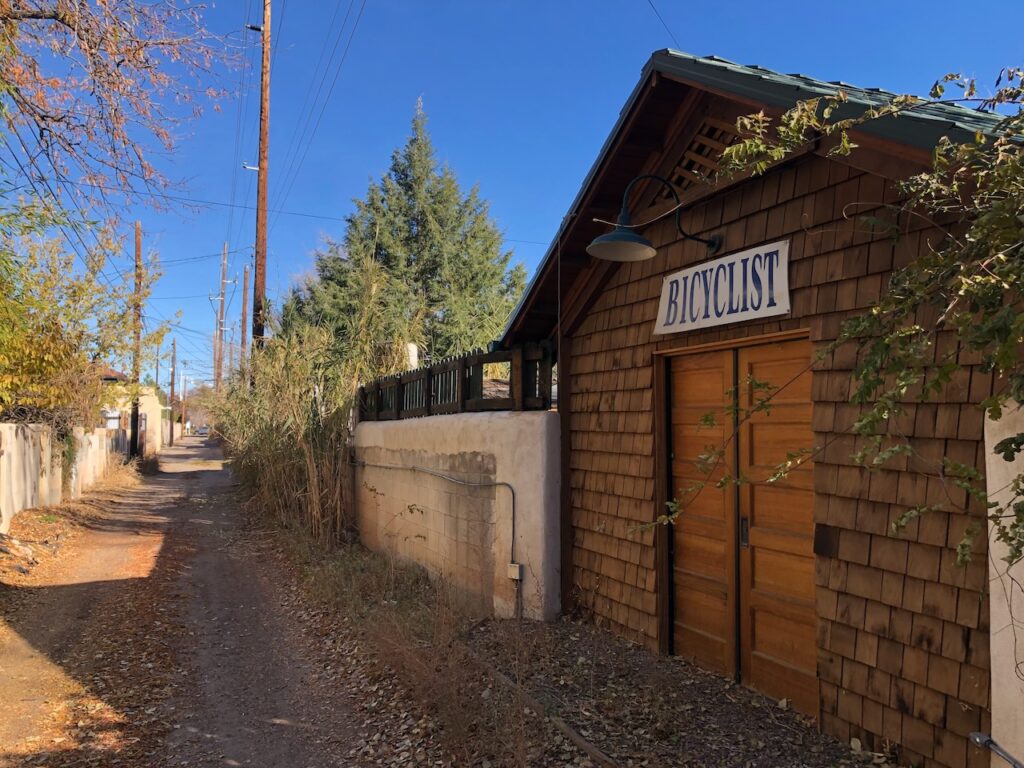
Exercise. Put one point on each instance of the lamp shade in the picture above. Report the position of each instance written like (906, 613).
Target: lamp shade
(621, 244)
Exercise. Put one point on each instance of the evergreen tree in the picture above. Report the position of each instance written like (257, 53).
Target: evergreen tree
(433, 251)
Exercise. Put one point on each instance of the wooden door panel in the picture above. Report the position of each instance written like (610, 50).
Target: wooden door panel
(752, 605)
(783, 682)
(780, 508)
(780, 574)
(780, 636)
(780, 541)
(704, 559)
(702, 554)
(778, 652)
(771, 440)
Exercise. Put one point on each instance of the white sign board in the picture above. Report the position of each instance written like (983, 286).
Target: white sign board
(743, 286)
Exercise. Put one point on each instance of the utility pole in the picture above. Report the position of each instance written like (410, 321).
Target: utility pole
(245, 316)
(184, 407)
(174, 368)
(218, 362)
(156, 381)
(133, 445)
(260, 283)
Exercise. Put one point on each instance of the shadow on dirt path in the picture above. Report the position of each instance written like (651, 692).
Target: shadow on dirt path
(156, 638)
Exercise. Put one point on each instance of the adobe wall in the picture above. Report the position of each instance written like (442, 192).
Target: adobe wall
(30, 466)
(438, 491)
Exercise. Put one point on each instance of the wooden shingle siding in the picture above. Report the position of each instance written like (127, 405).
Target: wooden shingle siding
(903, 631)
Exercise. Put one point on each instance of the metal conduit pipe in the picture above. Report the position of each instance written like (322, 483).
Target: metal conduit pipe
(985, 741)
(458, 481)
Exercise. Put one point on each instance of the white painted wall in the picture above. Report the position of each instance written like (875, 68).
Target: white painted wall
(30, 466)
(1006, 600)
(465, 532)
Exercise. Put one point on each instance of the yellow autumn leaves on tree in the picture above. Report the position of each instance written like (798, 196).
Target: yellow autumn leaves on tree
(70, 321)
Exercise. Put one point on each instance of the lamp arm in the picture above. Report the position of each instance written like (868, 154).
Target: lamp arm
(713, 243)
(624, 213)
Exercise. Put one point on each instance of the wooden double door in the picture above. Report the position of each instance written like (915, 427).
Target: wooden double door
(742, 553)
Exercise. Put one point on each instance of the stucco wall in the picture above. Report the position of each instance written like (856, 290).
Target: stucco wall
(30, 466)
(150, 405)
(1006, 604)
(460, 526)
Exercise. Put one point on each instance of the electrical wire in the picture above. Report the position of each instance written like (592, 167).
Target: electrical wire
(670, 34)
(244, 123)
(220, 203)
(243, 95)
(277, 35)
(472, 484)
(659, 217)
(306, 111)
(62, 230)
(323, 108)
(203, 257)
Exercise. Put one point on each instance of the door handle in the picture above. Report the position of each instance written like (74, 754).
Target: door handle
(744, 532)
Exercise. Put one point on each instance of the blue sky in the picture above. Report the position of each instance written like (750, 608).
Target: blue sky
(520, 96)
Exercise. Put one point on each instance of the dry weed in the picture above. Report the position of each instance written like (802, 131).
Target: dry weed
(119, 474)
(415, 629)
(148, 465)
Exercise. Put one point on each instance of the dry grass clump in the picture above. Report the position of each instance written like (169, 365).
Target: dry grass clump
(119, 474)
(148, 465)
(412, 624)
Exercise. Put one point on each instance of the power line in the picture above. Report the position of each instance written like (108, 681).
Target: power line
(64, 234)
(200, 258)
(243, 95)
(74, 225)
(653, 8)
(199, 201)
(306, 111)
(327, 100)
(277, 38)
(234, 289)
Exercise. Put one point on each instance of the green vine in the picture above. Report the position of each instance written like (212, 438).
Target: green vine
(68, 458)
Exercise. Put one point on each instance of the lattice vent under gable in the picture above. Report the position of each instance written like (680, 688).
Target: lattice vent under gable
(700, 160)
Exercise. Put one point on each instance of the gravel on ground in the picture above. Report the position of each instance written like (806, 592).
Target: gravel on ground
(645, 709)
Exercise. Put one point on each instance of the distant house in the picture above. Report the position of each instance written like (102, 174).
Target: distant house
(117, 413)
(111, 416)
(797, 588)
(110, 376)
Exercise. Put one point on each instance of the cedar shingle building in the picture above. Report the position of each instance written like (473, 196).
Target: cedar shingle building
(796, 588)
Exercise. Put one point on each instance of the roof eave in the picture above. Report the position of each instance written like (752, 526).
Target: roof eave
(551, 252)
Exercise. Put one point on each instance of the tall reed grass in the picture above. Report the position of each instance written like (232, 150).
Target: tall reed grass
(286, 422)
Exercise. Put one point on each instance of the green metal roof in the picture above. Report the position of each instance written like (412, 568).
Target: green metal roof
(920, 127)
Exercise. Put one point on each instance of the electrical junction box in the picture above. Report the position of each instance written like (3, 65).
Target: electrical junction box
(515, 571)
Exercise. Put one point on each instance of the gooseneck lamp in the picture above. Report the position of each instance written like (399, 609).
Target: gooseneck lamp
(625, 244)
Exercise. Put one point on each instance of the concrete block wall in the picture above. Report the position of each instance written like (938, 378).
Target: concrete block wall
(30, 466)
(438, 491)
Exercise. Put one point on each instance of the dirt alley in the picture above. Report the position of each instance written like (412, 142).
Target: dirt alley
(167, 572)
